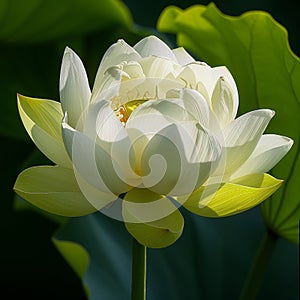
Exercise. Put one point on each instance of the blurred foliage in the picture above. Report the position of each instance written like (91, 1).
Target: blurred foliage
(38, 21)
(212, 257)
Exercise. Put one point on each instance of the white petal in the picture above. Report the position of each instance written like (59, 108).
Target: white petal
(183, 58)
(110, 84)
(94, 167)
(103, 123)
(241, 137)
(178, 159)
(107, 131)
(203, 78)
(224, 102)
(133, 69)
(224, 72)
(142, 89)
(269, 151)
(157, 66)
(153, 46)
(74, 88)
(248, 127)
(197, 76)
(115, 54)
(195, 104)
(153, 115)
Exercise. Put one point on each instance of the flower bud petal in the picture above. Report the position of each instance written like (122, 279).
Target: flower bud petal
(74, 88)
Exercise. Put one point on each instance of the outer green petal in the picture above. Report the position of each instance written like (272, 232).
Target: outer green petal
(42, 120)
(53, 189)
(233, 197)
(141, 205)
(156, 234)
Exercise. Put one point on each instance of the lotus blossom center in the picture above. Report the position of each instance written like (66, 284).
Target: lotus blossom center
(124, 111)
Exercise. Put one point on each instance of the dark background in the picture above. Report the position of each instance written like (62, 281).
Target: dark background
(29, 261)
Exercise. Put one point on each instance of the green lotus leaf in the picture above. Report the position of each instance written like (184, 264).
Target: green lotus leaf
(255, 49)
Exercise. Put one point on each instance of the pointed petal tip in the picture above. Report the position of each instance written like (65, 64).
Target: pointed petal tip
(266, 112)
(69, 56)
(154, 46)
(20, 96)
(272, 113)
(289, 141)
(68, 50)
(151, 37)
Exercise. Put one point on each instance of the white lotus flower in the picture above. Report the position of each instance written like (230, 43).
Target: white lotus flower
(158, 130)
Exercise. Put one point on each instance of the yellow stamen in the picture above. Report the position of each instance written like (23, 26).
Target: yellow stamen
(124, 111)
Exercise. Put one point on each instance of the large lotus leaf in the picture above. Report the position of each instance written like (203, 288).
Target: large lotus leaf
(41, 20)
(255, 49)
(209, 261)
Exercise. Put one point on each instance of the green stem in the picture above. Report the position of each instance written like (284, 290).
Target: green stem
(138, 284)
(259, 267)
